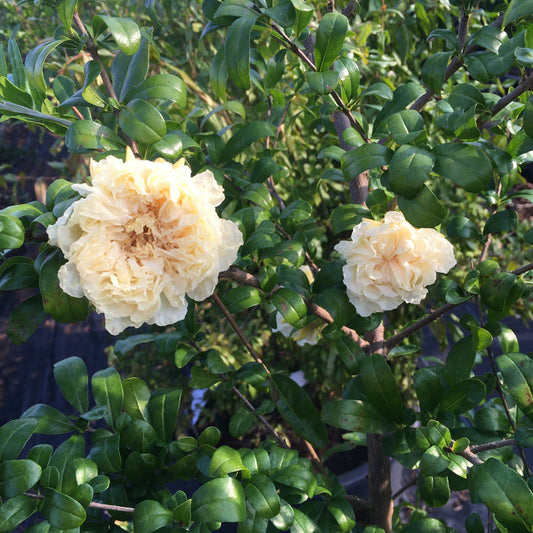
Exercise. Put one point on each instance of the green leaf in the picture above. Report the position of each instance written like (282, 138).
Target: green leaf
(17, 476)
(409, 169)
(356, 415)
(14, 435)
(163, 408)
(237, 51)
(517, 9)
(224, 461)
(10, 92)
(219, 500)
(285, 518)
(460, 360)
(65, 11)
(303, 523)
(11, 232)
(343, 513)
(466, 96)
(406, 126)
(25, 319)
(290, 305)
(128, 71)
(15, 510)
(466, 165)
(347, 216)
(136, 397)
(434, 70)
(517, 371)
(18, 273)
(504, 492)
(460, 227)
(150, 515)
(240, 423)
(323, 82)
(463, 396)
(218, 75)
(380, 387)
(262, 495)
(142, 122)
(298, 410)
(435, 491)
(71, 377)
(426, 525)
(428, 388)
(107, 392)
(349, 76)
(125, 32)
(62, 511)
(502, 221)
(18, 70)
(365, 157)
(51, 420)
(424, 210)
(86, 135)
(241, 298)
(433, 461)
(34, 63)
(247, 135)
(329, 39)
(105, 452)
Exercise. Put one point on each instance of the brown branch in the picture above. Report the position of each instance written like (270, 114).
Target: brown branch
(492, 445)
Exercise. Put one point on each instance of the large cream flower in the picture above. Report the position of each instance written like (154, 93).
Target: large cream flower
(389, 262)
(144, 235)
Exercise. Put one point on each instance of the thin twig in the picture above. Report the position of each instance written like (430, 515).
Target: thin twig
(263, 420)
(94, 505)
(492, 445)
(401, 490)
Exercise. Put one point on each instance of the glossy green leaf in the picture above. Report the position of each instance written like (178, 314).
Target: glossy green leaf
(435, 491)
(218, 75)
(62, 511)
(25, 319)
(365, 157)
(323, 82)
(71, 377)
(463, 396)
(237, 51)
(349, 76)
(18, 273)
(219, 500)
(428, 388)
(502, 221)
(16, 510)
(51, 420)
(424, 210)
(290, 305)
(11, 232)
(65, 11)
(241, 298)
(107, 392)
(14, 435)
(406, 126)
(425, 525)
(34, 63)
(262, 495)
(163, 408)
(434, 70)
(247, 135)
(433, 461)
(17, 68)
(303, 523)
(460, 360)
(355, 415)
(329, 39)
(129, 72)
(139, 436)
(517, 9)
(125, 32)
(150, 515)
(10, 92)
(466, 96)
(345, 217)
(380, 387)
(285, 518)
(240, 423)
(136, 397)
(466, 165)
(17, 476)
(224, 461)
(517, 371)
(460, 227)
(298, 410)
(87, 135)
(105, 452)
(298, 477)
(408, 170)
(504, 492)
(142, 122)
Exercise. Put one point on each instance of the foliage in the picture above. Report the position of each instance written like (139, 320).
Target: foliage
(312, 117)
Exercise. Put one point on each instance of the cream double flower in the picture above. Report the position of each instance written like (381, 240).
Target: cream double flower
(143, 236)
(390, 261)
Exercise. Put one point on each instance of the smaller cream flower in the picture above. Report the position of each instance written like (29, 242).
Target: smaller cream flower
(144, 235)
(390, 261)
(310, 333)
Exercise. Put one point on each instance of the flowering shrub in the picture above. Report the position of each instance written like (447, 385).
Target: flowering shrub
(389, 261)
(403, 123)
(144, 236)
